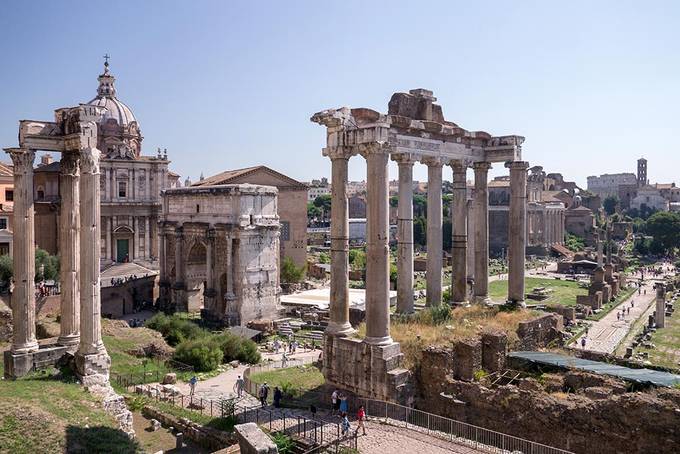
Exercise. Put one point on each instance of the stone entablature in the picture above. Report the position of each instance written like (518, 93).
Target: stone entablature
(222, 240)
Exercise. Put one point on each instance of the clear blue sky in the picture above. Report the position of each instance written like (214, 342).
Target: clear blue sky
(592, 85)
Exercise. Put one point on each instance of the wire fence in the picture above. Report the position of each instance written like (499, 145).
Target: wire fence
(157, 371)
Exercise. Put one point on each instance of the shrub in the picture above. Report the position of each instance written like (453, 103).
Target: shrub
(283, 442)
(204, 354)
(249, 353)
(436, 315)
(234, 347)
(291, 273)
(175, 329)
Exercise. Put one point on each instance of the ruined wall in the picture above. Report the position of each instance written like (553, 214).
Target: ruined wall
(596, 416)
(540, 332)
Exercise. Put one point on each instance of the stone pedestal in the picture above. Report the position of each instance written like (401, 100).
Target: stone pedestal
(459, 243)
(365, 369)
(517, 230)
(92, 361)
(434, 232)
(481, 232)
(660, 314)
(69, 248)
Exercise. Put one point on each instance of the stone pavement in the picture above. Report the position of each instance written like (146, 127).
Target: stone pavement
(606, 334)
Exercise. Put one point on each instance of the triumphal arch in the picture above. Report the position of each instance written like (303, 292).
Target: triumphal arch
(73, 133)
(413, 131)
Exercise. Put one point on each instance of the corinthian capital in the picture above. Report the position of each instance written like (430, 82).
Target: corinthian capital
(89, 160)
(69, 164)
(22, 159)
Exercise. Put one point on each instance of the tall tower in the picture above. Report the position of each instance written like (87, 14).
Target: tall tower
(641, 172)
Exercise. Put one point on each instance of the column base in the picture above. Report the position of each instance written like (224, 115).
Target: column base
(460, 303)
(339, 329)
(386, 340)
(93, 368)
(482, 299)
(71, 342)
(27, 347)
(17, 364)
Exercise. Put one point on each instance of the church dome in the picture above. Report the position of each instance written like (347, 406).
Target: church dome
(106, 97)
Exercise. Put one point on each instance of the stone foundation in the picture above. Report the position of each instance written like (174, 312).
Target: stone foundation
(593, 300)
(540, 332)
(367, 370)
(93, 368)
(18, 365)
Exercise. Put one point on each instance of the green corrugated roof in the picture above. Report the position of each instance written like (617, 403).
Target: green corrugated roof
(643, 376)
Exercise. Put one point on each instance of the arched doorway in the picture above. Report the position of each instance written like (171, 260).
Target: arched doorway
(122, 241)
(196, 275)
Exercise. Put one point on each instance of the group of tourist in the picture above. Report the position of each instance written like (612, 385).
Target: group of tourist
(263, 394)
(116, 281)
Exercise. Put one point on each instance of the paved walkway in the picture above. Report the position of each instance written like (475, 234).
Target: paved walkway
(606, 334)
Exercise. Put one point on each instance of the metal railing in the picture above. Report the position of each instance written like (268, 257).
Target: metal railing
(323, 436)
(452, 430)
(151, 376)
(214, 408)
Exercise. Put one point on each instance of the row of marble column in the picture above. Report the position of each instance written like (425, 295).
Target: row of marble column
(377, 235)
(80, 325)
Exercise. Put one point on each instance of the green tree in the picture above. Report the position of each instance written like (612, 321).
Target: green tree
(313, 211)
(323, 202)
(394, 201)
(664, 227)
(419, 205)
(420, 231)
(46, 266)
(6, 267)
(290, 273)
(357, 258)
(609, 204)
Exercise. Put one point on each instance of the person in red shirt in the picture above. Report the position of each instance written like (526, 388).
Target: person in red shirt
(361, 418)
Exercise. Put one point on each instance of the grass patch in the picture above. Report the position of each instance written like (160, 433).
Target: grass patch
(667, 343)
(560, 291)
(294, 380)
(42, 414)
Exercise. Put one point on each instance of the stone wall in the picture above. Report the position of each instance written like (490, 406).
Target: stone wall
(5, 324)
(596, 416)
(206, 437)
(540, 332)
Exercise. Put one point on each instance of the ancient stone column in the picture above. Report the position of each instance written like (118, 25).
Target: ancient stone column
(517, 230)
(660, 314)
(459, 243)
(377, 256)
(405, 235)
(91, 358)
(23, 258)
(107, 226)
(339, 303)
(179, 287)
(481, 232)
(69, 249)
(434, 232)
(209, 295)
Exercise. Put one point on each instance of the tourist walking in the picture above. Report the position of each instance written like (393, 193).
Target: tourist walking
(361, 420)
(583, 342)
(345, 424)
(264, 392)
(335, 401)
(277, 397)
(284, 360)
(192, 385)
(344, 406)
(238, 387)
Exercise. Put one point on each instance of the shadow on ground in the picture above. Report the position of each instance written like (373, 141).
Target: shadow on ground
(99, 439)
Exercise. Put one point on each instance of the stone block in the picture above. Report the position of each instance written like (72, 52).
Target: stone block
(170, 379)
(155, 425)
(252, 440)
(494, 351)
(467, 358)
(17, 365)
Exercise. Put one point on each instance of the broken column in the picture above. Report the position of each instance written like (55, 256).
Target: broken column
(434, 232)
(517, 230)
(660, 314)
(69, 249)
(92, 361)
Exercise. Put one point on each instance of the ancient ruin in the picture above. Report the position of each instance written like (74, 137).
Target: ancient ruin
(414, 130)
(74, 134)
(220, 249)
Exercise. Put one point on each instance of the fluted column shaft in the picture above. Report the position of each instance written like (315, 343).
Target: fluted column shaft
(90, 302)
(517, 230)
(481, 232)
(339, 304)
(459, 243)
(69, 248)
(377, 257)
(209, 292)
(23, 257)
(405, 236)
(434, 232)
